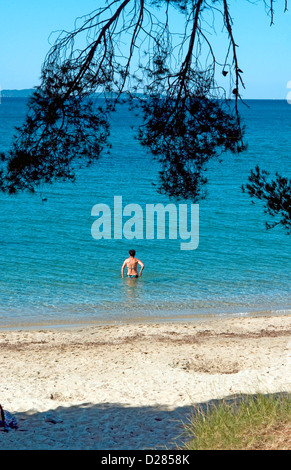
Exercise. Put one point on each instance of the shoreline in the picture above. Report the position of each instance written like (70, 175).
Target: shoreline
(187, 317)
(130, 385)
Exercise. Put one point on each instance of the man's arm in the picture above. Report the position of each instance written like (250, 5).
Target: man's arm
(142, 266)
(123, 266)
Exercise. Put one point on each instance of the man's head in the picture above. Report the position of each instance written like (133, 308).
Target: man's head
(132, 253)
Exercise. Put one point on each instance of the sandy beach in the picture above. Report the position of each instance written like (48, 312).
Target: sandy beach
(130, 386)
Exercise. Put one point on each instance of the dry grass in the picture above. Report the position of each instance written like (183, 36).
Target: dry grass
(254, 422)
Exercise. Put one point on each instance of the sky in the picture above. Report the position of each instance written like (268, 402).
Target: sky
(264, 51)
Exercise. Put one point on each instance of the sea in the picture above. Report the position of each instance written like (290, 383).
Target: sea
(54, 272)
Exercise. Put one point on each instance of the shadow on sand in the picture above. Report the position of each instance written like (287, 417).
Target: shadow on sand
(107, 426)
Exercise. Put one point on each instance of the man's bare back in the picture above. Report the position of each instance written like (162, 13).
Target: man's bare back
(131, 264)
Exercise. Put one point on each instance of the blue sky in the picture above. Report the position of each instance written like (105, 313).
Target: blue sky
(264, 51)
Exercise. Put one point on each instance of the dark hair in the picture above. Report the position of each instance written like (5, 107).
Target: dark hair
(132, 252)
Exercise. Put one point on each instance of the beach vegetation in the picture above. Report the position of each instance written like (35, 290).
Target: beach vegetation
(244, 422)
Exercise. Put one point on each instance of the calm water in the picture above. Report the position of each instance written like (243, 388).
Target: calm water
(54, 272)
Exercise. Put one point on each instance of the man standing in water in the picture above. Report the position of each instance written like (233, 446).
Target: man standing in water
(131, 264)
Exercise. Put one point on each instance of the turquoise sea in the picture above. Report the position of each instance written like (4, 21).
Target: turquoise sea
(53, 272)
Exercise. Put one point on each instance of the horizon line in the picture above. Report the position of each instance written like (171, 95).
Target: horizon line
(32, 89)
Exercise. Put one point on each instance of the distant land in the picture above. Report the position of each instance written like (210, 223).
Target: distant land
(26, 93)
(16, 93)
